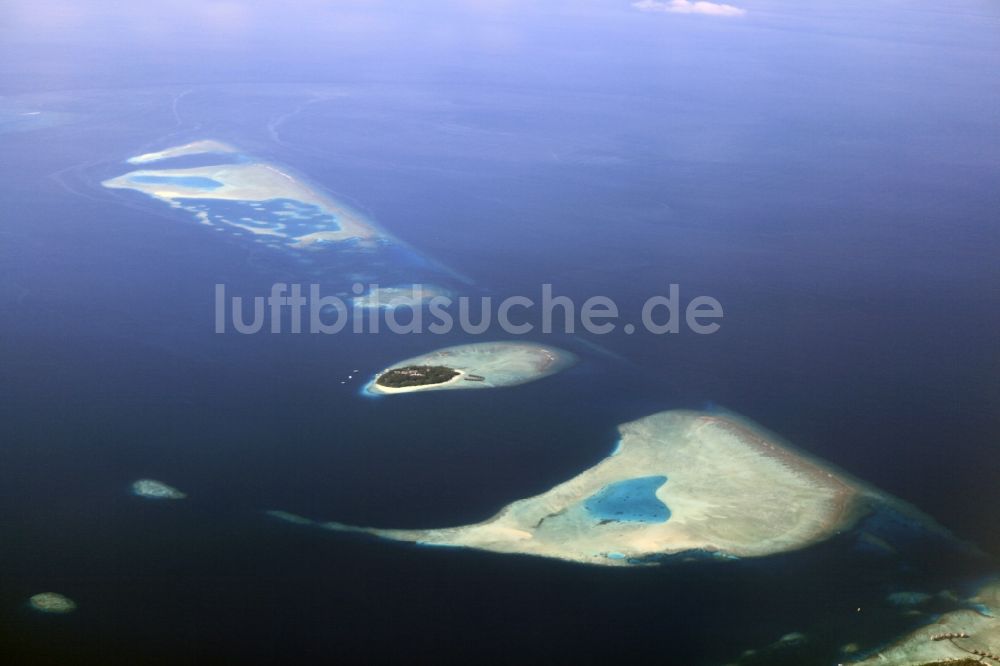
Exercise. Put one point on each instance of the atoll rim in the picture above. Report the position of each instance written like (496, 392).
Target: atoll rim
(679, 482)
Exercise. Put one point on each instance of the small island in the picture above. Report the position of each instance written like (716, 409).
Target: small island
(969, 635)
(681, 484)
(405, 295)
(472, 366)
(53, 603)
(156, 490)
(416, 375)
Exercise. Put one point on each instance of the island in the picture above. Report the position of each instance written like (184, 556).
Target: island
(156, 490)
(970, 635)
(679, 483)
(475, 365)
(194, 148)
(417, 375)
(245, 195)
(389, 298)
(52, 602)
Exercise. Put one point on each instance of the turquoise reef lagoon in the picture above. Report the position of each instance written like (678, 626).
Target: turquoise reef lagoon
(196, 182)
(631, 500)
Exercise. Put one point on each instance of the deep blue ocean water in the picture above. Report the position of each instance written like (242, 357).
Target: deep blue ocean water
(828, 174)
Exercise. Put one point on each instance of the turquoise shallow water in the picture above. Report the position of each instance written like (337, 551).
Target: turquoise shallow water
(631, 500)
(199, 182)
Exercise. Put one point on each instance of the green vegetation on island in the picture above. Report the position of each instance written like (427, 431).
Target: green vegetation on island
(479, 365)
(416, 375)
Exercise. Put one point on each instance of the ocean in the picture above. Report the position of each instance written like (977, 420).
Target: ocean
(842, 209)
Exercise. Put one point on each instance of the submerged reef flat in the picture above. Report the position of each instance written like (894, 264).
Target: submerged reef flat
(680, 482)
(193, 148)
(412, 295)
(248, 196)
(287, 517)
(52, 602)
(968, 634)
(16, 117)
(483, 365)
(262, 204)
(157, 490)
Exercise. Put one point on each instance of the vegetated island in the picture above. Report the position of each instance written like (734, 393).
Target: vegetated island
(684, 483)
(476, 365)
(416, 375)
